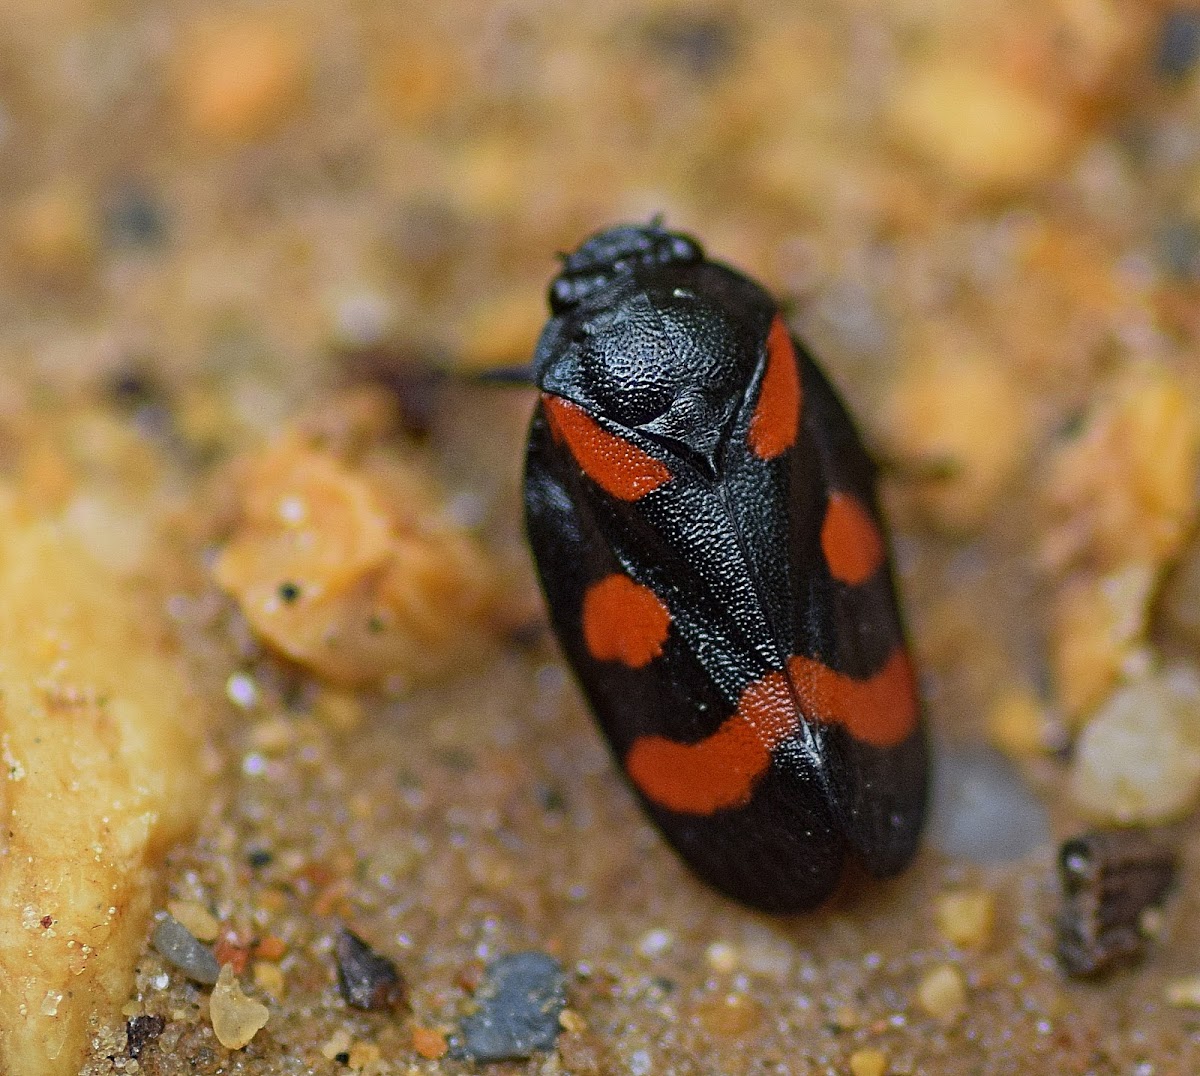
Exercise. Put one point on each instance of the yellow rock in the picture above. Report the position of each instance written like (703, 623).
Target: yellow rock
(942, 993)
(868, 1062)
(236, 1018)
(99, 739)
(199, 921)
(1097, 625)
(240, 76)
(966, 917)
(984, 132)
(1125, 488)
(959, 425)
(357, 575)
(1016, 723)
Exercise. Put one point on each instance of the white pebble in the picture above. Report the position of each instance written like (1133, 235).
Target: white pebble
(1138, 759)
(242, 691)
(654, 943)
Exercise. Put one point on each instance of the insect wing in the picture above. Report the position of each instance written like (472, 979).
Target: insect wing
(851, 664)
(682, 696)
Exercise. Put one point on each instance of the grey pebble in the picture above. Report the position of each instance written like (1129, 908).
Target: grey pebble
(982, 809)
(519, 1002)
(1178, 45)
(179, 947)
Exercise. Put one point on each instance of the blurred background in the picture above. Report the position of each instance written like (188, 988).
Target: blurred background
(282, 179)
(984, 217)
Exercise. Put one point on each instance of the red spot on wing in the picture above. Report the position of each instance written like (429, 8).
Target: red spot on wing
(776, 416)
(850, 540)
(720, 772)
(624, 621)
(881, 710)
(619, 468)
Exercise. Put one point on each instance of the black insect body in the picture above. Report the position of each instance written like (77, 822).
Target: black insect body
(704, 521)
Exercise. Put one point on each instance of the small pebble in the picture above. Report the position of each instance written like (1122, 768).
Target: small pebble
(429, 1042)
(230, 950)
(363, 1054)
(519, 1002)
(1114, 885)
(722, 957)
(1183, 993)
(966, 917)
(654, 943)
(240, 77)
(337, 1043)
(268, 977)
(1097, 624)
(141, 1031)
(1138, 759)
(133, 218)
(1017, 723)
(981, 808)
(1178, 45)
(570, 1020)
(868, 1062)
(730, 1015)
(196, 918)
(236, 1018)
(180, 948)
(367, 979)
(270, 948)
(942, 993)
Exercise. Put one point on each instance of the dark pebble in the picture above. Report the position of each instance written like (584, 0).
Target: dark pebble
(1178, 45)
(519, 1002)
(1179, 249)
(1109, 879)
(139, 395)
(703, 45)
(981, 808)
(134, 386)
(552, 798)
(141, 1031)
(134, 218)
(180, 948)
(367, 979)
